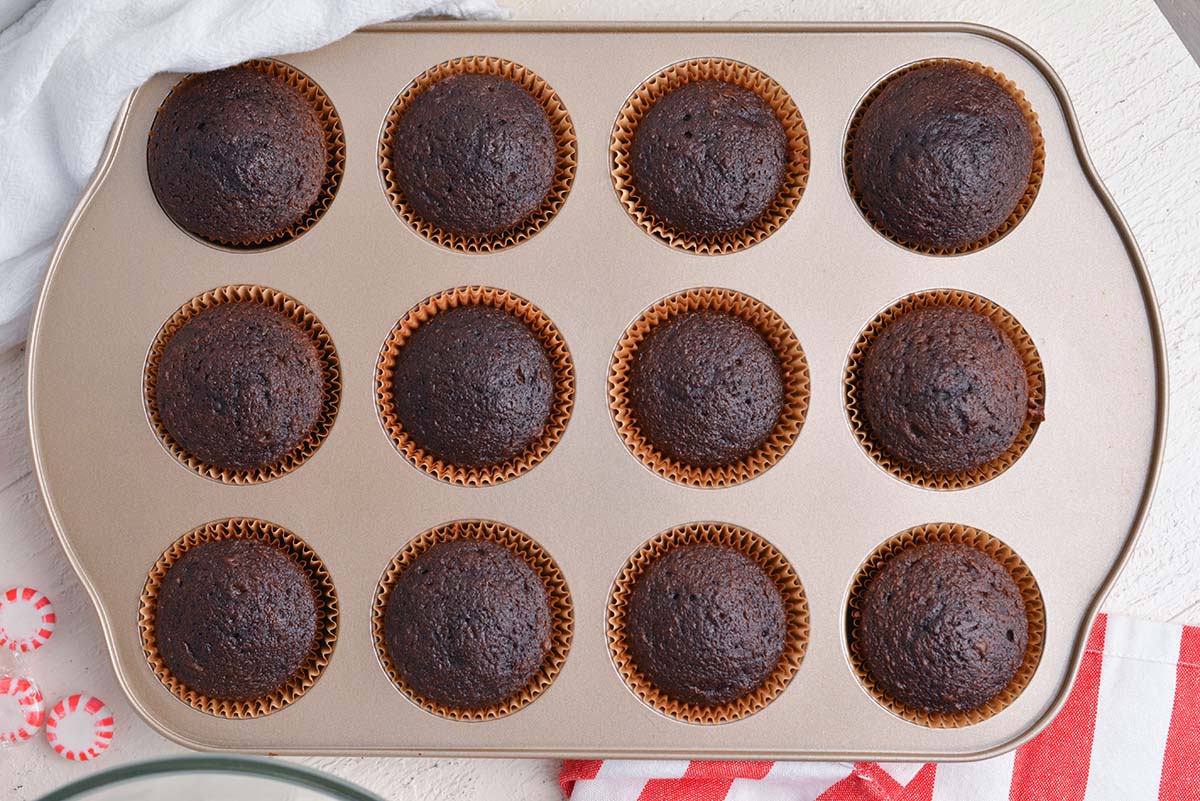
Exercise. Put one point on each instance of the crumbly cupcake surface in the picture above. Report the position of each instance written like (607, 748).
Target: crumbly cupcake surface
(235, 619)
(709, 158)
(944, 389)
(473, 386)
(468, 624)
(706, 388)
(474, 154)
(237, 156)
(706, 625)
(239, 386)
(943, 627)
(942, 156)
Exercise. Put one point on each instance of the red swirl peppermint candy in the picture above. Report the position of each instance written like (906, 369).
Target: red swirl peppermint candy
(79, 727)
(22, 711)
(26, 619)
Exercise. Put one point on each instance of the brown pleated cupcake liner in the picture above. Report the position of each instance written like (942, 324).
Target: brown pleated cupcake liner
(565, 164)
(795, 381)
(667, 81)
(1035, 175)
(1035, 612)
(335, 145)
(773, 563)
(327, 616)
(960, 479)
(330, 369)
(561, 611)
(560, 408)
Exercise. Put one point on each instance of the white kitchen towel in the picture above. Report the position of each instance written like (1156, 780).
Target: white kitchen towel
(67, 65)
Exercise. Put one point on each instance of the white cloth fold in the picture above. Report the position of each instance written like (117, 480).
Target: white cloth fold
(67, 65)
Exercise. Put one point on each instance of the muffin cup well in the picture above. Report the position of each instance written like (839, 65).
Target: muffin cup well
(539, 560)
(1035, 612)
(959, 479)
(331, 374)
(327, 616)
(335, 147)
(566, 157)
(560, 407)
(1035, 175)
(793, 365)
(777, 568)
(667, 81)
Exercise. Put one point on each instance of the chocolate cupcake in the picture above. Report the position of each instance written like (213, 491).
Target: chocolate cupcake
(468, 624)
(709, 158)
(943, 627)
(706, 388)
(942, 156)
(239, 386)
(944, 389)
(473, 386)
(474, 154)
(237, 156)
(235, 619)
(706, 625)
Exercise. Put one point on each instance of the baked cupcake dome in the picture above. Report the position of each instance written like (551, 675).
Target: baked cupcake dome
(942, 157)
(239, 386)
(944, 389)
(237, 155)
(709, 158)
(473, 386)
(468, 624)
(235, 619)
(706, 388)
(706, 625)
(474, 154)
(943, 627)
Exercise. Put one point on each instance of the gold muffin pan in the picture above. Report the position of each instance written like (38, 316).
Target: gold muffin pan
(1070, 507)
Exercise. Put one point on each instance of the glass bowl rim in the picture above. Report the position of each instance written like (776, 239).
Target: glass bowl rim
(287, 773)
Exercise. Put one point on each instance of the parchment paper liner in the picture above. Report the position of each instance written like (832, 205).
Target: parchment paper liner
(776, 567)
(960, 479)
(1035, 611)
(1035, 174)
(564, 138)
(327, 616)
(560, 407)
(795, 382)
(335, 145)
(330, 369)
(561, 612)
(739, 74)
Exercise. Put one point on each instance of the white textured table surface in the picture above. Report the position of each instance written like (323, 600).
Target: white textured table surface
(1136, 92)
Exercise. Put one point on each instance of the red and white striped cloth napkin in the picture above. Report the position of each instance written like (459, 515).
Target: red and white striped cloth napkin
(1130, 730)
